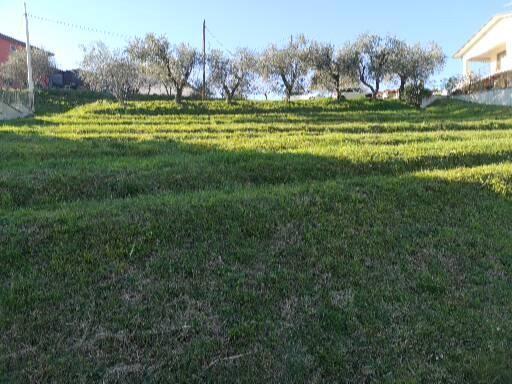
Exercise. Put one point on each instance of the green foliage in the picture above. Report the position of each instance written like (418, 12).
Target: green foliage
(172, 66)
(415, 93)
(232, 76)
(362, 241)
(286, 68)
(13, 73)
(371, 58)
(453, 83)
(111, 71)
(334, 69)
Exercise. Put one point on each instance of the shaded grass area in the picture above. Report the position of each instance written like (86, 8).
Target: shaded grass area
(152, 250)
(54, 171)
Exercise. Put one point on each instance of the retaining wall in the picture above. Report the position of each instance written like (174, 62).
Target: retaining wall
(494, 97)
(8, 112)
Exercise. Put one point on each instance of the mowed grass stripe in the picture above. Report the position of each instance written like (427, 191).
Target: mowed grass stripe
(112, 177)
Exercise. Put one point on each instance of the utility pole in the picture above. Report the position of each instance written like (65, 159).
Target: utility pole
(29, 65)
(204, 61)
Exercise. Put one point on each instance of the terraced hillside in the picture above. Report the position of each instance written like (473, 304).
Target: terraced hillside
(257, 242)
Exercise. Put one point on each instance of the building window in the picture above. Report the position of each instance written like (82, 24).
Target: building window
(499, 62)
(13, 48)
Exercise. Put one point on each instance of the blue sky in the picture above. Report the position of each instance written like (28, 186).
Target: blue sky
(253, 23)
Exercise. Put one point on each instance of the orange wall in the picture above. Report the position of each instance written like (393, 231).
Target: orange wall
(5, 49)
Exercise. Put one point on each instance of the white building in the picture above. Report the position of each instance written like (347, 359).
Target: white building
(491, 45)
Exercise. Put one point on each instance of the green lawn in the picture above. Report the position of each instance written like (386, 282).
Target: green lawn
(317, 242)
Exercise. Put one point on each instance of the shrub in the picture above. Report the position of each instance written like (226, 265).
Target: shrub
(415, 93)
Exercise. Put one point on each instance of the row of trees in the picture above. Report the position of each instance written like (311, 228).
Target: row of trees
(289, 70)
(292, 69)
(370, 60)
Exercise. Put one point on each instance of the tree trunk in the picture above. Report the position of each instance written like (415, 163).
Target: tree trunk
(401, 90)
(339, 96)
(233, 92)
(167, 90)
(229, 94)
(377, 88)
(288, 96)
(288, 87)
(179, 95)
(338, 88)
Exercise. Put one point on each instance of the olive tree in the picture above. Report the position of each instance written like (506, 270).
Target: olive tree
(400, 64)
(415, 64)
(371, 59)
(151, 76)
(146, 52)
(173, 65)
(104, 70)
(287, 68)
(232, 76)
(453, 83)
(334, 69)
(14, 72)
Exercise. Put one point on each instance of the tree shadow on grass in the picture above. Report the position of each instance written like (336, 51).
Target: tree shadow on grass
(31, 122)
(349, 117)
(50, 102)
(279, 125)
(162, 108)
(55, 170)
(327, 125)
(321, 111)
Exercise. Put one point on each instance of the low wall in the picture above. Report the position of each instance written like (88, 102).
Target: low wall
(495, 97)
(8, 112)
(431, 100)
(14, 104)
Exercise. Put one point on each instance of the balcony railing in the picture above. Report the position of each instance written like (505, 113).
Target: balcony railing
(474, 84)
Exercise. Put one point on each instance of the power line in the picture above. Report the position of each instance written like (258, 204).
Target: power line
(218, 41)
(115, 34)
(77, 26)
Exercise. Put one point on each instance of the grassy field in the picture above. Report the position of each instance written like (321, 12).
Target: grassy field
(259, 242)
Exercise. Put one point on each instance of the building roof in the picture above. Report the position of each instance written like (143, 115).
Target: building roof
(12, 39)
(486, 28)
(19, 42)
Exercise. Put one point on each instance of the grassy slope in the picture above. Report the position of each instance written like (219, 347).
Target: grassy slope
(258, 242)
